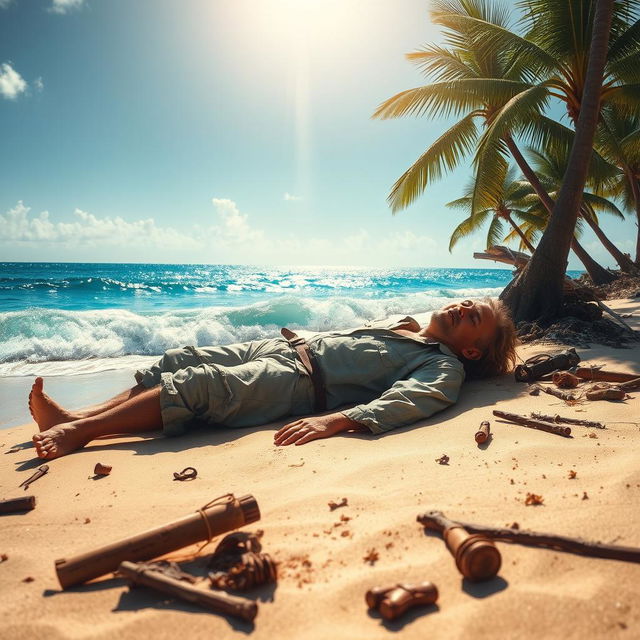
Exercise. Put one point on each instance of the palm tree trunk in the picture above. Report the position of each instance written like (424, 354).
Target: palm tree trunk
(529, 174)
(538, 291)
(518, 230)
(598, 274)
(635, 189)
(624, 262)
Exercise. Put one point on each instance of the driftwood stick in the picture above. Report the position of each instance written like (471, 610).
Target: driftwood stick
(595, 374)
(436, 521)
(534, 424)
(559, 419)
(567, 397)
(214, 601)
(18, 504)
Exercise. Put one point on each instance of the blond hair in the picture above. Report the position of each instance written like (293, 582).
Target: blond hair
(499, 354)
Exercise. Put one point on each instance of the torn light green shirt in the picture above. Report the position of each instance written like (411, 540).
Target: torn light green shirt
(393, 379)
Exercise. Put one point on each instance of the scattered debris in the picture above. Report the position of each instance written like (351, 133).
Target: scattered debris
(605, 391)
(102, 469)
(188, 473)
(300, 568)
(28, 579)
(297, 465)
(392, 601)
(565, 380)
(533, 500)
(569, 398)
(38, 474)
(443, 459)
(584, 495)
(214, 600)
(13, 505)
(534, 424)
(336, 505)
(572, 474)
(482, 435)
(584, 423)
(87, 520)
(4, 557)
(372, 556)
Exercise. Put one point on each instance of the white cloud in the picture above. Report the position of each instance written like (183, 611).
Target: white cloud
(291, 198)
(38, 85)
(12, 84)
(16, 225)
(229, 238)
(64, 6)
(4, 3)
(234, 226)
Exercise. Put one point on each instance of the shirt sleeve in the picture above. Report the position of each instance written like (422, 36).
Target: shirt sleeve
(429, 389)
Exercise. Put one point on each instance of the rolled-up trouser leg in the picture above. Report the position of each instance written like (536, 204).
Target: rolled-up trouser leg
(253, 393)
(176, 359)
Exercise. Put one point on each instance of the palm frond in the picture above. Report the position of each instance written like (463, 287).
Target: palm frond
(625, 69)
(443, 155)
(449, 98)
(602, 204)
(514, 115)
(440, 63)
(495, 232)
(491, 168)
(625, 97)
(624, 44)
(494, 37)
(468, 226)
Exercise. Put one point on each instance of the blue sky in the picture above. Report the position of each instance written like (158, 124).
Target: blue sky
(219, 131)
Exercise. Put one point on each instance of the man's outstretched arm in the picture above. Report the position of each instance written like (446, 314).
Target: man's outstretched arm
(315, 427)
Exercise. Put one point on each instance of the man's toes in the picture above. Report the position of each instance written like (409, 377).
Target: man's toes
(37, 385)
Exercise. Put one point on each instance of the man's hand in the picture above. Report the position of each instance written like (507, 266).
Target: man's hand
(313, 428)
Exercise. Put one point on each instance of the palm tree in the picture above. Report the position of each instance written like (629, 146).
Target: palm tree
(482, 82)
(618, 140)
(510, 207)
(553, 55)
(538, 290)
(550, 168)
(472, 80)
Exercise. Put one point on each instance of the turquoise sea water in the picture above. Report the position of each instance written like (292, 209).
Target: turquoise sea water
(70, 317)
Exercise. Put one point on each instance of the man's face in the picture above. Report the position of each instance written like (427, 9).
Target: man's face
(464, 326)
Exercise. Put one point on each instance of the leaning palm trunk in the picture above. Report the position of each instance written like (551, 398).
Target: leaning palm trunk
(518, 230)
(538, 292)
(635, 188)
(597, 273)
(624, 262)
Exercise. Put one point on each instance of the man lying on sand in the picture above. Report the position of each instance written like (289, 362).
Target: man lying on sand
(394, 374)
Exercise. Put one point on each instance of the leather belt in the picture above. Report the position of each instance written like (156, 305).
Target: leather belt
(310, 363)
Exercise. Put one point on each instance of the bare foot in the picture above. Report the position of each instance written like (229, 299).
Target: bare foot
(60, 440)
(45, 411)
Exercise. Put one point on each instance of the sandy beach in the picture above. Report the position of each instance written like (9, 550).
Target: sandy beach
(387, 481)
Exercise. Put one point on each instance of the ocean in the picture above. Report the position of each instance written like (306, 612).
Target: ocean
(72, 318)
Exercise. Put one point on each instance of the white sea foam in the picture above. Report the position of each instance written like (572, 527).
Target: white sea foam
(53, 341)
